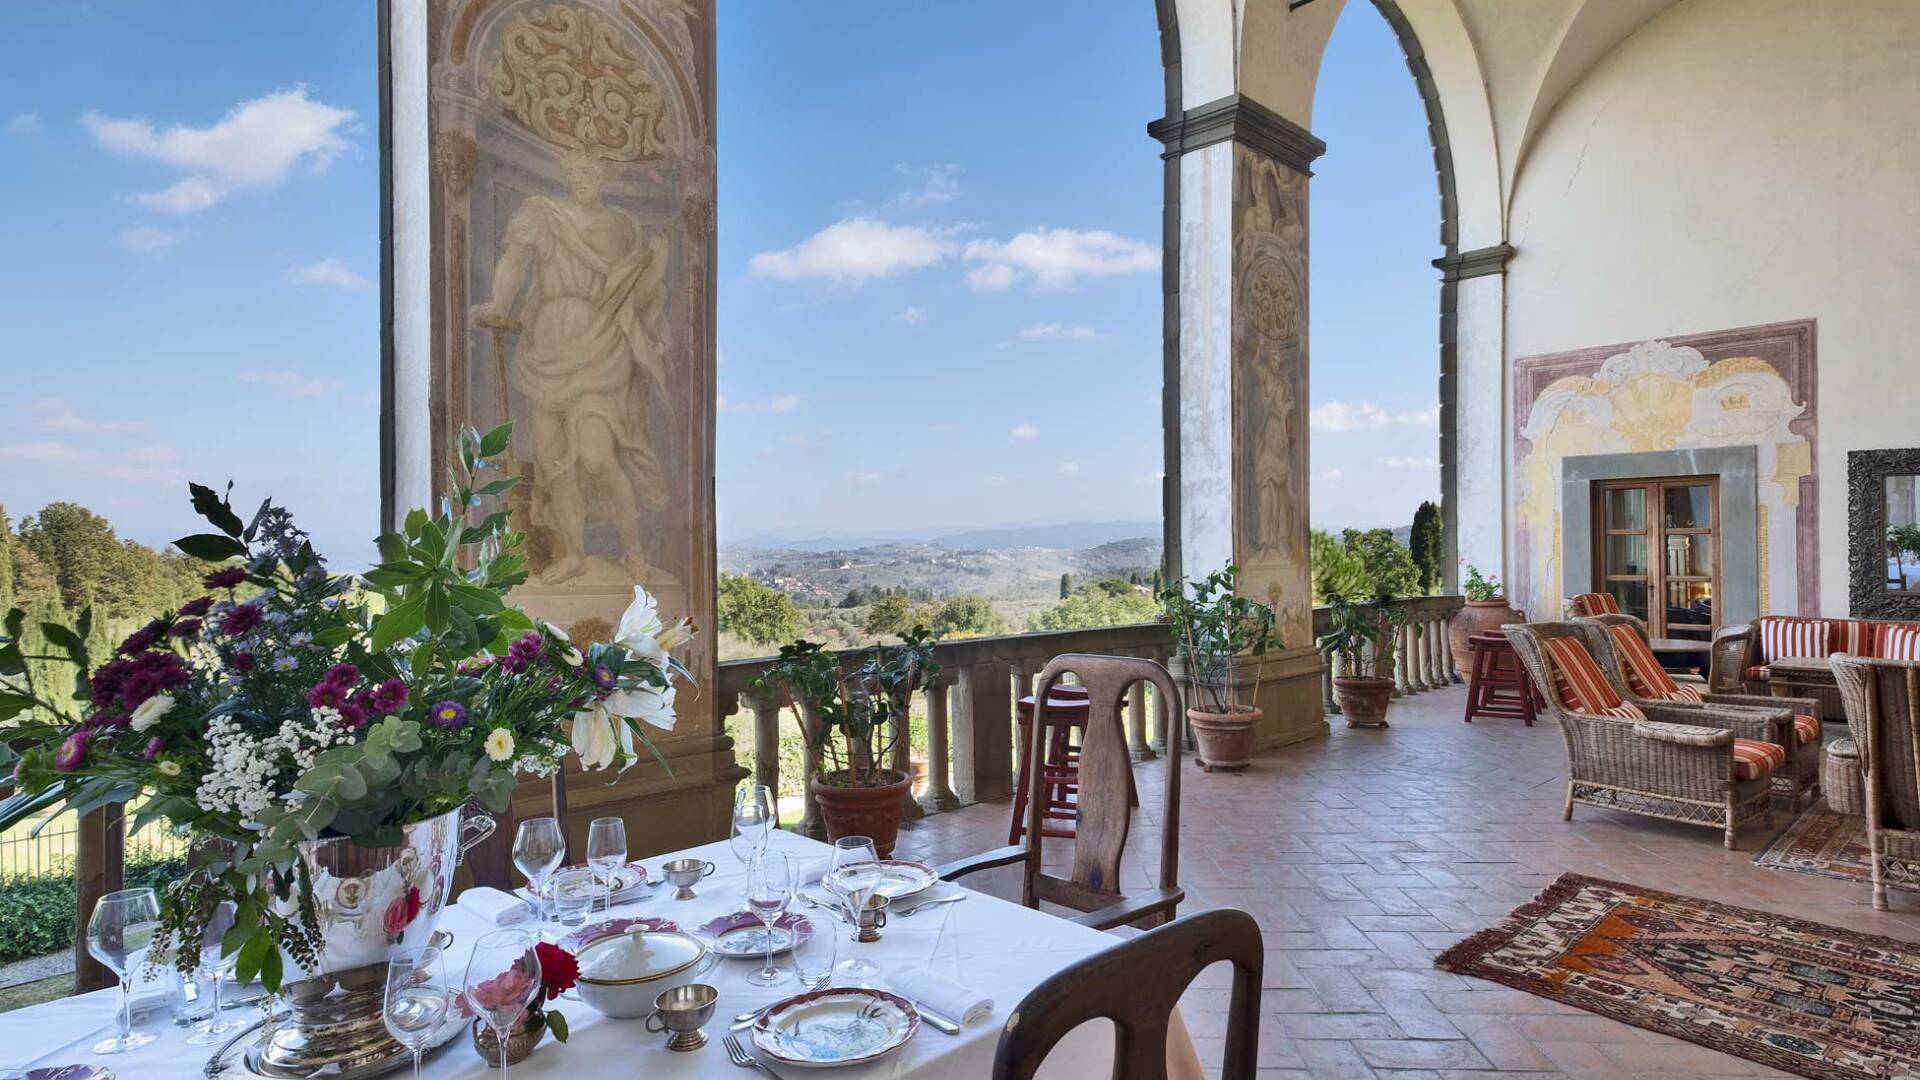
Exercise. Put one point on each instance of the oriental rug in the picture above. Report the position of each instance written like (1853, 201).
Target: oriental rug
(1825, 842)
(1799, 996)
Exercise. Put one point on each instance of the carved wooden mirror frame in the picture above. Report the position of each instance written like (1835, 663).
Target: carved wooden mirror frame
(1867, 472)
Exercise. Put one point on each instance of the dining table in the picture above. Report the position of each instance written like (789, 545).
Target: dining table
(995, 949)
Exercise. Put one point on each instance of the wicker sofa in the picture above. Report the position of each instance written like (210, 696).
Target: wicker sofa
(1776, 715)
(1680, 764)
(1743, 654)
(1882, 699)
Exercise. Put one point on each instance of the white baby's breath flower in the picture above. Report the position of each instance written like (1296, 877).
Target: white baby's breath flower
(150, 711)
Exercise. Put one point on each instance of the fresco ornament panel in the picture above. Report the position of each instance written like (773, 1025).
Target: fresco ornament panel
(1753, 386)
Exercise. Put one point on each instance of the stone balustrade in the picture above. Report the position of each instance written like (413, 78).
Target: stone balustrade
(1420, 660)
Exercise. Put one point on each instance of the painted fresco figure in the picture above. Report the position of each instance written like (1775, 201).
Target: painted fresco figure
(589, 363)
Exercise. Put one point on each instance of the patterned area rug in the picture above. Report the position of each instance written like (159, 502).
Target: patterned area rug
(1799, 996)
(1831, 844)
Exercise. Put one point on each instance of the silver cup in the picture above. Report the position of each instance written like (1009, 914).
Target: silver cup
(682, 874)
(682, 1011)
(869, 920)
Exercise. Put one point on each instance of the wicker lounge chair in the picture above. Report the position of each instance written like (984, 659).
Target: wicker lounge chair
(1882, 699)
(1680, 764)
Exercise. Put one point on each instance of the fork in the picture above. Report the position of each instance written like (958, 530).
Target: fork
(737, 1054)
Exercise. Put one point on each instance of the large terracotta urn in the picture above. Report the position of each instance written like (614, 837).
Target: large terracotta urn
(1478, 617)
(1225, 739)
(872, 812)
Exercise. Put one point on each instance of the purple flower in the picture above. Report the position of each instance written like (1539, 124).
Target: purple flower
(388, 697)
(137, 678)
(243, 660)
(603, 677)
(326, 696)
(155, 747)
(241, 619)
(193, 609)
(226, 578)
(73, 751)
(522, 653)
(448, 714)
(136, 642)
(185, 628)
(109, 721)
(353, 717)
(341, 675)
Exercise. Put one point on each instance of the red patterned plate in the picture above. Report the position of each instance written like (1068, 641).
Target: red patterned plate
(593, 932)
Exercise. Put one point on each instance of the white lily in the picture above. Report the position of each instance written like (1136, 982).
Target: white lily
(647, 704)
(594, 738)
(645, 636)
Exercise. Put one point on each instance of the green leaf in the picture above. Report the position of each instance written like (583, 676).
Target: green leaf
(478, 601)
(405, 734)
(436, 611)
(16, 620)
(210, 505)
(211, 547)
(13, 704)
(558, 1025)
(495, 442)
(393, 575)
(253, 954)
(271, 970)
(416, 521)
(402, 621)
(333, 636)
(499, 487)
(393, 547)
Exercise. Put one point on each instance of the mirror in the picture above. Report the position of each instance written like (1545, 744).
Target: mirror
(1883, 533)
(1903, 533)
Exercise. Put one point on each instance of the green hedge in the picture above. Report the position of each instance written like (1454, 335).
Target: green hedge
(36, 911)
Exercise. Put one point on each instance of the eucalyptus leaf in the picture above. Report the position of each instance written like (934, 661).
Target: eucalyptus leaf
(211, 547)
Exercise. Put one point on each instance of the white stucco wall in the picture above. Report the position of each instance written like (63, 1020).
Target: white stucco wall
(1481, 408)
(1206, 359)
(412, 265)
(1735, 162)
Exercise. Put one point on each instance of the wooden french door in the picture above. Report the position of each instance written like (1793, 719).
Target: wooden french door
(1657, 550)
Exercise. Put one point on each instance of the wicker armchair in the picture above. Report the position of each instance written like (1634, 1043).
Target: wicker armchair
(1882, 698)
(1736, 669)
(1749, 716)
(1677, 764)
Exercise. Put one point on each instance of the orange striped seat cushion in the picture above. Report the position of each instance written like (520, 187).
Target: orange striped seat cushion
(1753, 760)
(1806, 729)
(1851, 636)
(1899, 643)
(1589, 604)
(1642, 670)
(1782, 635)
(1578, 683)
(1759, 673)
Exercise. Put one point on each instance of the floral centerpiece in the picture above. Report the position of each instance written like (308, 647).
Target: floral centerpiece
(291, 706)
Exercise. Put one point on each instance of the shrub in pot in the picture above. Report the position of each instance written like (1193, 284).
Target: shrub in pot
(857, 712)
(1485, 612)
(1359, 632)
(1215, 631)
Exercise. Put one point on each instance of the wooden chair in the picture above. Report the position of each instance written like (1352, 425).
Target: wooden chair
(1498, 685)
(1882, 699)
(1102, 802)
(1110, 984)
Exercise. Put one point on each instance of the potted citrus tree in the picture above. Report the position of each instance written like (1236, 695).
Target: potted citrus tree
(1215, 632)
(1361, 631)
(1485, 612)
(855, 713)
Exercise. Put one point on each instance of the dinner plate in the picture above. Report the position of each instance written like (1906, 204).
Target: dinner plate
(827, 1028)
(593, 932)
(743, 934)
(628, 880)
(896, 878)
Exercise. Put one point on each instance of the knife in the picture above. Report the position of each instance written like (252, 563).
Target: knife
(934, 1018)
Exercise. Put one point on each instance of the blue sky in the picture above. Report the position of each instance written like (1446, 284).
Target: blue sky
(938, 267)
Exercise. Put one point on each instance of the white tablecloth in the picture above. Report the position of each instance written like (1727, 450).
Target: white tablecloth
(999, 949)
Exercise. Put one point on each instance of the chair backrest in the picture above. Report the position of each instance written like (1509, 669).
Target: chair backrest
(1103, 810)
(1882, 700)
(1588, 604)
(1110, 984)
(1619, 645)
(1530, 642)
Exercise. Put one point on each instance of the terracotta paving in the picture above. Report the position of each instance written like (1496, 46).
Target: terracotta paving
(1365, 854)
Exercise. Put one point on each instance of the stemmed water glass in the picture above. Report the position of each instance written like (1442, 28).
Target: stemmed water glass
(221, 967)
(503, 978)
(753, 820)
(539, 846)
(607, 853)
(122, 926)
(769, 888)
(417, 999)
(851, 851)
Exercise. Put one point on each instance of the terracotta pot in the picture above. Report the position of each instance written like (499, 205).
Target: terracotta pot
(1478, 617)
(1226, 739)
(863, 811)
(1363, 699)
(520, 1041)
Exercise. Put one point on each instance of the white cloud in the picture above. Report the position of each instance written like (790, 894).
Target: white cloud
(934, 184)
(25, 125)
(1053, 331)
(56, 415)
(147, 240)
(1023, 432)
(912, 316)
(1068, 468)
(864, 477)
(1154, 477)
(1394, 461)
(41, 452)
(784, 404)
(855, 250)
(1334, 416)
(291, 383)
(332, 272)
(1055, 257)
(1332, 476)
(253, 147)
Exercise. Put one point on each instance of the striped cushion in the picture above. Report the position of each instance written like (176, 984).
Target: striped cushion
(1589, 604)
(1759, 673)
(1899, 642)
(1851, 636)
(1753, 760)
(1643, 673)
(1806, 729)
(1785, 636)
(1578, 683)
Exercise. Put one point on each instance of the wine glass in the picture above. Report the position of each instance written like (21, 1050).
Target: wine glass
(539, 846)
(417, 999)
(122, 926)
(769, 888)
(753, 820)
(851, 851)
(607, 852)
(503, 977)
(219, 921)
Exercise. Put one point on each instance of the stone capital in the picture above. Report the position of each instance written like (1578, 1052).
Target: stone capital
(1480, 262)
(1243, 120)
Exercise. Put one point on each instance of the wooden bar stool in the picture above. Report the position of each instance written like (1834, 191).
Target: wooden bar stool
(1497, 685)
(1063, 719)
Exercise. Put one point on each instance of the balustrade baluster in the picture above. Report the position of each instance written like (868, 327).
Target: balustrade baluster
(938, 796)
(982, 761)
(766, 739)
(1328, 704)
(1137, 746)
(1402, 685)
(1436, 648)
(1157, 742)
(902, 763)
(811, 824)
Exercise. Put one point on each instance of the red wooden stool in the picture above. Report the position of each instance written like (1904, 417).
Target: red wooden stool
(1066, 712)
(1497, 685)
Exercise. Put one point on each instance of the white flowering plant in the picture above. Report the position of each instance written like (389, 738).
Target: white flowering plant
(292, 704)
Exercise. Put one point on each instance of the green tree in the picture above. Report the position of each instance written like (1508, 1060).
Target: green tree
(1066, 586)
(1389, 564)
(968, 615)
(1337, 572)
(888, 615)
(77, 546)
(1095, 605)
(6, 561)
(757, 613)
(1425, 544)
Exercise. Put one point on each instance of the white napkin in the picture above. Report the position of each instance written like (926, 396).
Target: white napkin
(942, 995)
(810, 873)
(496, 907)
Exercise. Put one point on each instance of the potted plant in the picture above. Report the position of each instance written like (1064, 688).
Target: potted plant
(1215, 631)
(855, 714)
(1485, 612)
(1361, 631)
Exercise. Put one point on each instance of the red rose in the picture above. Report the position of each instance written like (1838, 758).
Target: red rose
(396, 919)
(558, 969)
(413, 902)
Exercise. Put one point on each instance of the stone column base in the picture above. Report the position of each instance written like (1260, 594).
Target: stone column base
(1288, 696)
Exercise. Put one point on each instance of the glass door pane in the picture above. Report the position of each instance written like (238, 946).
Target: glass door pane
(1690, 555)
(1689, 506)
(1626, 556)
(1631, 595)
(1626, 508)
